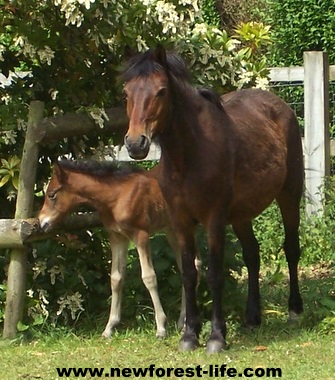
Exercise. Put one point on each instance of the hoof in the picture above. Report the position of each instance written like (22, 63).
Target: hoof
(294, 317)
(216, 343)
(160, 335)
(215, 346)
(106, 335)
(188, 343)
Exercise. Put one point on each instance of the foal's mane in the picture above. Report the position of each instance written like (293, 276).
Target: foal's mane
(99, 169)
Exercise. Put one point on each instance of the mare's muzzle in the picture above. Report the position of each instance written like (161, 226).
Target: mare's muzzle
(138, 148)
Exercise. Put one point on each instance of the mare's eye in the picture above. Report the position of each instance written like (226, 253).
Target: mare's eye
(52, 196)
(161, 92)
(124, 95)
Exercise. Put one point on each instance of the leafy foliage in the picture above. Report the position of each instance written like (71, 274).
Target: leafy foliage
(69, 54)
(9, 171)
(300, 26)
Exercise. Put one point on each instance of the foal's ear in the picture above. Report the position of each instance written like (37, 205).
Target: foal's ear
(160, 55)
(59, 172)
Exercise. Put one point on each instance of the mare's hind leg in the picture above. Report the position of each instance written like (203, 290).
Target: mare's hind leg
(150, 281)
(250, 249)
(119, 249)
(290, 211)
(216, 238)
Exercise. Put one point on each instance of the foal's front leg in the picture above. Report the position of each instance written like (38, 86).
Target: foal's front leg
(119, 248)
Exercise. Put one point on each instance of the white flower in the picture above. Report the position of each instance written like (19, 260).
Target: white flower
(55, 271)
(72, 302)
(53, 94)
(9, 137)
(21, 124)
(46, 55)
(141, 44)
(99, 116)
(87, 3)
(2, 49)
(147, 3)
(6, 99)
(200, 28)
(262, 83)
(39, 268)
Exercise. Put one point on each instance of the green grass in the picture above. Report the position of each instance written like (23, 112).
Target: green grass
(304, 349)
(299, 354)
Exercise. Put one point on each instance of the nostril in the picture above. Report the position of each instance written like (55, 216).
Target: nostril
(143, 142)
(125, 140)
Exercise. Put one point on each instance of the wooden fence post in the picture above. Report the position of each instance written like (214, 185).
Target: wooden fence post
(16, 282)
(317, 140)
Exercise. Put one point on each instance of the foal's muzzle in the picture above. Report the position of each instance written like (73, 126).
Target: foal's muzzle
(138, 148)
(45, 224)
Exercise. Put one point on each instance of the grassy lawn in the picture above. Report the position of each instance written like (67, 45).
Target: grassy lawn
(299, 353)
(304, 349)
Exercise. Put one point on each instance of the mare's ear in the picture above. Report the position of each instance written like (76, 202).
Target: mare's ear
(60, 172)
(160, 55)
(129, 52)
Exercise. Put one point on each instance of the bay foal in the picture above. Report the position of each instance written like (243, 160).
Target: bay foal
(130, 206)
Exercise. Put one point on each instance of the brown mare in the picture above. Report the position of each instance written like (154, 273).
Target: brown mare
(130, 206)
(223, 162)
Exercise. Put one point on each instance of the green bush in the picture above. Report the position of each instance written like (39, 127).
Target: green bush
(299, 26)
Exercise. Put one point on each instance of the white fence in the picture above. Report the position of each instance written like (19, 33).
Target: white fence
(315, 75)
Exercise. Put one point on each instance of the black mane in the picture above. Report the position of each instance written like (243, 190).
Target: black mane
(99, 169)
(212, 96)
(144, 64)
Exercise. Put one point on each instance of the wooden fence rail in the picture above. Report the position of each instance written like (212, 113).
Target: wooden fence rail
(16, 233)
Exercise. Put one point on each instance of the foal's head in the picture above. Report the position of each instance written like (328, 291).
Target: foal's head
(149, 93)
(59, 200)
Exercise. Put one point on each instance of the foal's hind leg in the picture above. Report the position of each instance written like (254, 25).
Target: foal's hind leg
(250, 249)
(291, 218)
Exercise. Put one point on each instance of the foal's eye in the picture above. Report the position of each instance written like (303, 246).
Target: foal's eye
(124, 95)
(161, 92)
(52, 196)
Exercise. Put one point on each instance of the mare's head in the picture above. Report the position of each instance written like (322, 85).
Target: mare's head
(59, 200)
(149, 93)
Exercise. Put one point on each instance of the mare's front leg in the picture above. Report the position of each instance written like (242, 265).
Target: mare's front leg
(171, 237)
(190, 339)
(119, 248)
(150, 280)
